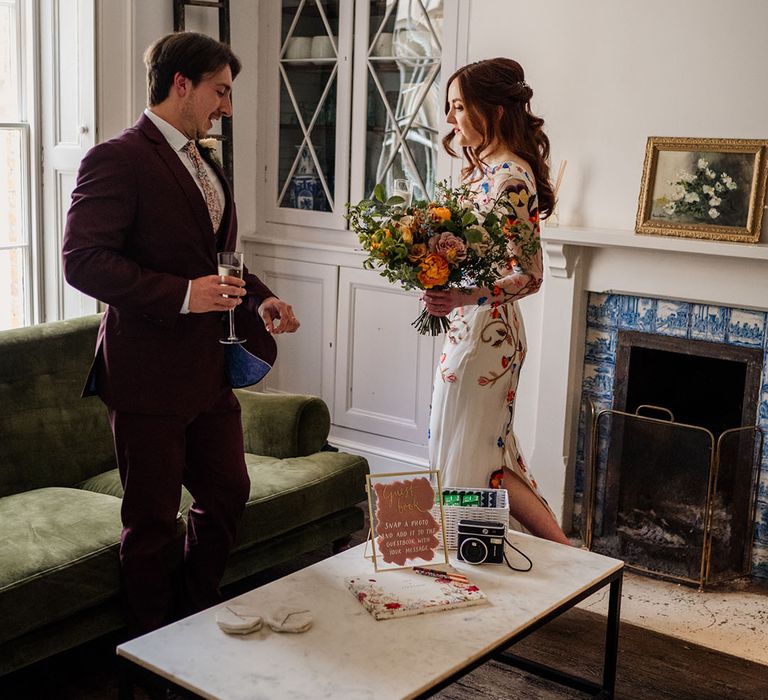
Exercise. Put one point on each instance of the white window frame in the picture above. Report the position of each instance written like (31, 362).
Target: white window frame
(26, 50)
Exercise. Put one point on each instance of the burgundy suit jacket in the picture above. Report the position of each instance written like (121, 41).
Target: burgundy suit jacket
(137, 231)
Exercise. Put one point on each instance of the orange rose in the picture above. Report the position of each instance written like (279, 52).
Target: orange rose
(440, 213)
(433, 271)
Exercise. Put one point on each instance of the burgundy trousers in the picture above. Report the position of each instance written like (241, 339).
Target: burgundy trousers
(155, 456)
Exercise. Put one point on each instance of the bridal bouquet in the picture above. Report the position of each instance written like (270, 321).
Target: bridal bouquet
(441, 244)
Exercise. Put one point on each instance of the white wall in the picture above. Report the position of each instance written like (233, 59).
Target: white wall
(606, 75)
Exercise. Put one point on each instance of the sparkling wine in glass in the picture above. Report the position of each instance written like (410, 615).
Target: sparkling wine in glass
(403, 188)
(231, 265)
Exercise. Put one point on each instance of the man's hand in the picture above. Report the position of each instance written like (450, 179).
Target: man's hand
(278, 316)
(207, 293)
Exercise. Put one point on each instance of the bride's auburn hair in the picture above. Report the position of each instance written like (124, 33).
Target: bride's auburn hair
(498, 103)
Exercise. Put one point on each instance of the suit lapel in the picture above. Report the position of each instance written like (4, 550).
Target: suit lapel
(183, 178)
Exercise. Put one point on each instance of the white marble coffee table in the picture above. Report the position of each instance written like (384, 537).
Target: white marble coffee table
(349, 655)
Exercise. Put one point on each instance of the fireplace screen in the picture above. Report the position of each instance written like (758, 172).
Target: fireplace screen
(671, 498)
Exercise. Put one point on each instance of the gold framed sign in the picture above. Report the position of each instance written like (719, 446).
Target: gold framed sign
(703, 188)
(407, 521)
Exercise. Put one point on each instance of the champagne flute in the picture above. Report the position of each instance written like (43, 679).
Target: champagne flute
(403, 188)
(231, 265)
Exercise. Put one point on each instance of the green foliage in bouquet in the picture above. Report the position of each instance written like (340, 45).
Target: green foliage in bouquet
(443, 244)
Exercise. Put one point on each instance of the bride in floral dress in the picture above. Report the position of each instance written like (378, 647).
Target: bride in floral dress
(471, 438)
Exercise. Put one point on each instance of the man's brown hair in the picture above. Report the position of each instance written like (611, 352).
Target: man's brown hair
(189, 53)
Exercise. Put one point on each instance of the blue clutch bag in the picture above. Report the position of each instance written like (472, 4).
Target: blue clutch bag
(244, 368)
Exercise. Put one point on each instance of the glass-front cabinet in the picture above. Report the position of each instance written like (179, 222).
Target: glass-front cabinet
(358, 88)
(398, 57)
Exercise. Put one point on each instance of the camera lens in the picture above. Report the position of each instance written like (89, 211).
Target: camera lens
(473, 551)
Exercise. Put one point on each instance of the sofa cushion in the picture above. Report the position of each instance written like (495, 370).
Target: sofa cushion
(109, 483)
(59, 549)
(42, 372)
(285, 493)
(291, 492)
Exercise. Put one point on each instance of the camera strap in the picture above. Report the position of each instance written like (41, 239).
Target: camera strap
(522, 554)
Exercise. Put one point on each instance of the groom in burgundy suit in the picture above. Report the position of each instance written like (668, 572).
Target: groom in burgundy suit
(149, 213)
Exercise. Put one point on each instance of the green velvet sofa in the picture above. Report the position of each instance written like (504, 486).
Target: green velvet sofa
(60, 492)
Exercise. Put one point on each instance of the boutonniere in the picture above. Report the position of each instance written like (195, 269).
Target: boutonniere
(210, 145)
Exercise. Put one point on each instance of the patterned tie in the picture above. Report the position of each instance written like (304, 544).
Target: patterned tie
(212, 200)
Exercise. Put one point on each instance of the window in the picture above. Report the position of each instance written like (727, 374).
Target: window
(17, 247)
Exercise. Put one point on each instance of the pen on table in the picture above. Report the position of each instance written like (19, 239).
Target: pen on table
(437, 573)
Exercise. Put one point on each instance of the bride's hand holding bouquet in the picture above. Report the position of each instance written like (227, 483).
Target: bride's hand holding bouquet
(446, 247)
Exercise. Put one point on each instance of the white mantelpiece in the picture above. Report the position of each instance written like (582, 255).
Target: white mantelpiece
(581, 260)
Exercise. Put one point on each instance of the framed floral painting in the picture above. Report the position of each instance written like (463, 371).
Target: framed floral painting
(703, 188)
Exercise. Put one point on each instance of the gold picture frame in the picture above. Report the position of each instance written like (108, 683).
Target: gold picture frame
(703, 188)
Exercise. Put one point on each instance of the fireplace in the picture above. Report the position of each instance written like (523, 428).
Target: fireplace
(673, 460)
(674, 465)
(602, 282)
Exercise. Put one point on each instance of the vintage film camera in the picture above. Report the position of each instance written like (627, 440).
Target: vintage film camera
(480, 541)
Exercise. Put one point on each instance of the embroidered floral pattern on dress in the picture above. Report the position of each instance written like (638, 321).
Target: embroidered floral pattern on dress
(471, 423)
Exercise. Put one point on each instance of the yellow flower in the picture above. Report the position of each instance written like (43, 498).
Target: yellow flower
(519, 199)
(440, 213)
(407, 235)
(433, 271)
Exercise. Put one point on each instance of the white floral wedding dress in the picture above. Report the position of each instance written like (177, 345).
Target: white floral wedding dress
(473, 400)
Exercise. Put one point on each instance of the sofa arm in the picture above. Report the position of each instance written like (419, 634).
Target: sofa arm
(283, 425)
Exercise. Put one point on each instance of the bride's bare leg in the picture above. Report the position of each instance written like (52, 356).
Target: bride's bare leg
(525, 506)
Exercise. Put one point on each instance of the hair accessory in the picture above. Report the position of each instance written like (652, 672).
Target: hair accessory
(523, 84)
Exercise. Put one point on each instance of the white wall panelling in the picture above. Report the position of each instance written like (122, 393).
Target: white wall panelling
(68, 126)
(384, 372)
(305, 363)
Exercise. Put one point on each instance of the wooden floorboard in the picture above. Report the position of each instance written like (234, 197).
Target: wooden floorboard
(651, 666)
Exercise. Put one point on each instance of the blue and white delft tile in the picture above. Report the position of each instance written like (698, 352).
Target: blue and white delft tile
(598, 381)
(602, 310)
(762, 412)
(746, 328)
(637, 314)
(582, 437)
(761, 523)
(581, 441)
(762, 483)
(762, 477)
(760, 561)
(600, 346)
(709, 322)
(673, 318)
(762, 407)
(576, 516)
(764, 461)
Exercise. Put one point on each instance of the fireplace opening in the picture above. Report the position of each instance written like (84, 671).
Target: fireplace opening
(699, 390)
(674, 464)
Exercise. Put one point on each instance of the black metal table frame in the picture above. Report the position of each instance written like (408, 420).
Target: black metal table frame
(598, 690)
(131, 672)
